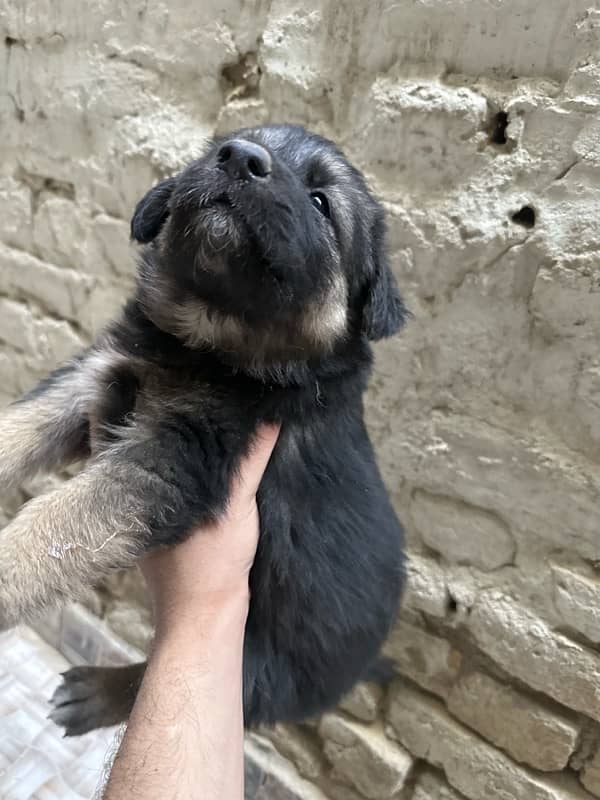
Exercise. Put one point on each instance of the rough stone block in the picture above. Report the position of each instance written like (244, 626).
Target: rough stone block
(269, 776)
(433, 786)
(525, 728)
(56, 341)
(590, 774)
(428, 660)
(577, 598)
(527, 648)
(472, 766)
(132, 623)
(17, 325)
(15, 213)
(397, 106)
(363, 701)
(59, 231)
(112, 236)
(302, 749)
(363, 757)
(461, 533)
(489, 467)
(102, 306)
(426, 586)
(341, 791)
(13, 376)
(61, 291)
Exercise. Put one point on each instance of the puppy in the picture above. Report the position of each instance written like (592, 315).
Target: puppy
(262, 278)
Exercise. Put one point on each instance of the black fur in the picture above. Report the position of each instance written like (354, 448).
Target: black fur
(327, 578)
(151, 212)
(384, 312)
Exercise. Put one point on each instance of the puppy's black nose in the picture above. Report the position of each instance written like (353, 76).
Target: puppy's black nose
(244, 160)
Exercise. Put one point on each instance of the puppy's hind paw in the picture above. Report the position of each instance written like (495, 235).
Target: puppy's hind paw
(78, 704)
(95, 697)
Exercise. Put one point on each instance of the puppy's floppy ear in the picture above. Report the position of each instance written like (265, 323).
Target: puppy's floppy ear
(152, 211)
(384, 313)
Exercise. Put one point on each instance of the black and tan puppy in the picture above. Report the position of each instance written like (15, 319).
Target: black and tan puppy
(262, 280)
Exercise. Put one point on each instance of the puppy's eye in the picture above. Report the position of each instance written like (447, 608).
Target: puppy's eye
(321, 202)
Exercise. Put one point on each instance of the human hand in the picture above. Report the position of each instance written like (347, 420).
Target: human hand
(212, 565)
(190, 702)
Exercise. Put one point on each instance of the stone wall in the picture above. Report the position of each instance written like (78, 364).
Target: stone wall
(477, 122)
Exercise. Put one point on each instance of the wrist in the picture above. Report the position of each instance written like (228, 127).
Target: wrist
(207, 614)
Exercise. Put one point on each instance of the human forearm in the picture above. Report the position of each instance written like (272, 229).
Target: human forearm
(185, 735)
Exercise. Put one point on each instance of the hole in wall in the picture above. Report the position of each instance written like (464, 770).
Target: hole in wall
(525, 217)
(498, 127)
(242, 78)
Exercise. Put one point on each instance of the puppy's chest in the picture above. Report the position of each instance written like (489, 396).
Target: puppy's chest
(121, 391)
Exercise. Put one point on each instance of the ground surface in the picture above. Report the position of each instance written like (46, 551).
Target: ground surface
(36, 762)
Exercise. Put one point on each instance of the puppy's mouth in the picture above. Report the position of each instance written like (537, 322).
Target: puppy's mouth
(225, 212)
(224, 228)
(221, 200)
(245, 223)
(224, 203)
(235, 207)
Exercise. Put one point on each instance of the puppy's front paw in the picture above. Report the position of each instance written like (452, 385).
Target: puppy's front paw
(22, 596)
(11, 605)
(24, 589)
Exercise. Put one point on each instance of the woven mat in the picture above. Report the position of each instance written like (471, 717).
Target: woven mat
(36, 762)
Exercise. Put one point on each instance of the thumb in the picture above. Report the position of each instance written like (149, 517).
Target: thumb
(253, 464)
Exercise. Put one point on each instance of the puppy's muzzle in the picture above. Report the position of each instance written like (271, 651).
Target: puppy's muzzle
(244, 160)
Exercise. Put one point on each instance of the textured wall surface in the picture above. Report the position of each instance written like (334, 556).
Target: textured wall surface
(477, 121)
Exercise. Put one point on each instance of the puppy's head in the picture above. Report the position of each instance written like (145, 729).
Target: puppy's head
(270, 246)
